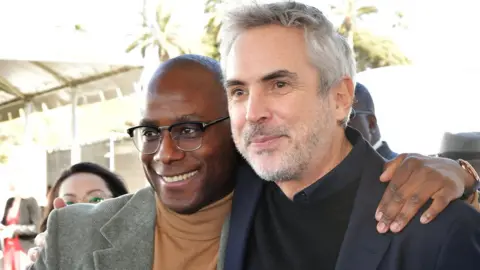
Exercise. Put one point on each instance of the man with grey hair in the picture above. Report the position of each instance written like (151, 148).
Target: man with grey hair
(189, 158)
(290, 84)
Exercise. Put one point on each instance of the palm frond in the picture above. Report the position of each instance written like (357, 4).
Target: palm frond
(366, 10)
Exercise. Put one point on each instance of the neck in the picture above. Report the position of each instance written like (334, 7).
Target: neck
(205, 224)
(325, 161)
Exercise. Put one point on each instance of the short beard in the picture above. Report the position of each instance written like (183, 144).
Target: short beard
(288, 172)
(296, 161)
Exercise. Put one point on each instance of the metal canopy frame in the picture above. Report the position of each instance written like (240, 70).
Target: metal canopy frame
(55, 85)
(47, 96)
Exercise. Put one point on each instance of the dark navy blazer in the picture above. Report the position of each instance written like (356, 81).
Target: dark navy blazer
(450, 242)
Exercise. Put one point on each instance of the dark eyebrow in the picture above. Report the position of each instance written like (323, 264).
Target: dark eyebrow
(282, 73)
(230, 83)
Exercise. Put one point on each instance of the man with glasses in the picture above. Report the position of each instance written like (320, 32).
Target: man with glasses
(191, 162)
(364, 120)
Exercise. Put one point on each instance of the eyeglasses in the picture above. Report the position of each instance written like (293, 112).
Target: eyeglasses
(359, 112)
(186, 135)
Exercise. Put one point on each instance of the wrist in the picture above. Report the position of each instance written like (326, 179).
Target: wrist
(472, 181)
(471, 198)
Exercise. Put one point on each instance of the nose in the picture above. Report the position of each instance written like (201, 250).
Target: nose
(168, 151)
(257, 106)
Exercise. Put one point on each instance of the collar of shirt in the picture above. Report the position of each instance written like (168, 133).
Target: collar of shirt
(347, 171)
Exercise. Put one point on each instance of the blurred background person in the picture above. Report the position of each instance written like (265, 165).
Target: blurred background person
(464, 146)
(19, 228)
(84, 182)
(364, 120)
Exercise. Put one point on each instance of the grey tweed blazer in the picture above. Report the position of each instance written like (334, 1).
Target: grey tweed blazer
(116, 234)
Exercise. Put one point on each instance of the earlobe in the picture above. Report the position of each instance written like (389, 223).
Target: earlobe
(344, 98)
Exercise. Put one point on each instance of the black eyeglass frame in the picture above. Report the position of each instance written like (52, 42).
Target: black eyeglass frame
(203, 126)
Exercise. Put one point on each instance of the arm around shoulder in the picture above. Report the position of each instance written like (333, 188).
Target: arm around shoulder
(462, 248)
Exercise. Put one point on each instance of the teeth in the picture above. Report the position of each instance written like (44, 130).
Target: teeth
(180, 177)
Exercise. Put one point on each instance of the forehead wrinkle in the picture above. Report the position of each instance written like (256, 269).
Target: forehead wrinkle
(239, 59)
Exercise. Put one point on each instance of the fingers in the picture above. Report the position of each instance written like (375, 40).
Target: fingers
(441, 200)
(33, 254)
(392, 202)
(415, 198)
(395, 196)
(40, 239)
(391, 167)
(59, 203)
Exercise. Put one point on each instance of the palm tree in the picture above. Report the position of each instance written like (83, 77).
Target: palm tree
(370, 51)
(373, 51)
(212, 29)
(156, 32)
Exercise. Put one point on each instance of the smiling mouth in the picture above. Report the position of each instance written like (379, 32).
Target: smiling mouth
(179, 177)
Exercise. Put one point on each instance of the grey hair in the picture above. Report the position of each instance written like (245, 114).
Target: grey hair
(329, 52)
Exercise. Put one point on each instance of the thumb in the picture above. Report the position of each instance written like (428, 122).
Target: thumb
(59, 203)
(391, 166)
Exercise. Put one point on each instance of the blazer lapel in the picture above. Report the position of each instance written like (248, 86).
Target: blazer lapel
(363, 247)
(223, 243)
(130, 233)
(247, 192)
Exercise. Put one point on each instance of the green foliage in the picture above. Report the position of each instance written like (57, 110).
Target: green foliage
(3, 155)
(157, 34)
(6, 142)
(371, 51)
(212, 29)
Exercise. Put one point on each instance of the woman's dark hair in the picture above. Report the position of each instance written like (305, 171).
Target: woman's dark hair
(114, 183)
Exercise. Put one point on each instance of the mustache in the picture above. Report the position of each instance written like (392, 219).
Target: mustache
(254, 130)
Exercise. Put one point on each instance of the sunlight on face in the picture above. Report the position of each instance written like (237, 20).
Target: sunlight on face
(279, 121)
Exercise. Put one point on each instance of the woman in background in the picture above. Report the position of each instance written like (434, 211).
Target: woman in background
(18, 229)
(84, 182)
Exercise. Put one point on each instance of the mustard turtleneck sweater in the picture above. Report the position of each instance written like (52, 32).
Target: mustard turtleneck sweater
(184, 242)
